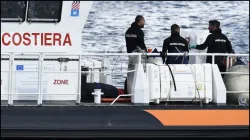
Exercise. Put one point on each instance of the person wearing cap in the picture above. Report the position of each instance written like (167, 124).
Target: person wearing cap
(216, 42)
(175, 44)
(134, 36)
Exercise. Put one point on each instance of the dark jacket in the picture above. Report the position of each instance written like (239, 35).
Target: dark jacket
(216, 43)
(175, 44)
(134, 37)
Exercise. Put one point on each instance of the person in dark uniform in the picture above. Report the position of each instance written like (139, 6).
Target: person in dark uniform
(216, 42)
(134, 36)
(175, 44)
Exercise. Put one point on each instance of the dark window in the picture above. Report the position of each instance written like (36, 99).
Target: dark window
(44, 11)
(13, 11)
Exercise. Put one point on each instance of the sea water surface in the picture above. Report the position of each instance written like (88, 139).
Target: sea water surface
(109, 20)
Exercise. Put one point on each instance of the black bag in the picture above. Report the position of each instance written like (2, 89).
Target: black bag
(87, 89)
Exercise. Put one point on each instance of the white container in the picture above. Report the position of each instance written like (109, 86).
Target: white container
(165, 77)
(153, 75)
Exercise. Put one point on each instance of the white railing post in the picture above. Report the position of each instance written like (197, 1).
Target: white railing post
(231, 62)
(78, 98)
(10, 81)
(213, 59)
(9, 77)
(227, 64)
(40, 101)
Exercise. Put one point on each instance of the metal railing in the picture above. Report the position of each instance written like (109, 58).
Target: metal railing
(78, 94)
(9, 77)
(15, 71)
(80, 55)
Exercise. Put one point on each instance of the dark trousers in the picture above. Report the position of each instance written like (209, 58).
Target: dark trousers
(125, 86)
(220, 65)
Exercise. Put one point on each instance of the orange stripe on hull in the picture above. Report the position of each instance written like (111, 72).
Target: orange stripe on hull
(201, 117)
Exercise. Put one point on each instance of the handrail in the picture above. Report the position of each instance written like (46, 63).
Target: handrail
(39, 76)
(80, 55)
(79, 74)
(133, 54)
(9, 77)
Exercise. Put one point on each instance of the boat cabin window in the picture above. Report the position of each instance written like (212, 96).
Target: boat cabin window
(13, 11)
(44, 11)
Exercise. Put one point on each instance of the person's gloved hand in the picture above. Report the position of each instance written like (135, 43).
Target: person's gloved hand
(193, 46)
(185, 54)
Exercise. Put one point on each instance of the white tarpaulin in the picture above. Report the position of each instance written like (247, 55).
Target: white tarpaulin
(195, 37)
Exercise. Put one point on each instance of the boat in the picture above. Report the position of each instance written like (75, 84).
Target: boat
(42, 72)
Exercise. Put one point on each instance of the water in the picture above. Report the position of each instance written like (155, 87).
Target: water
(109, 20)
